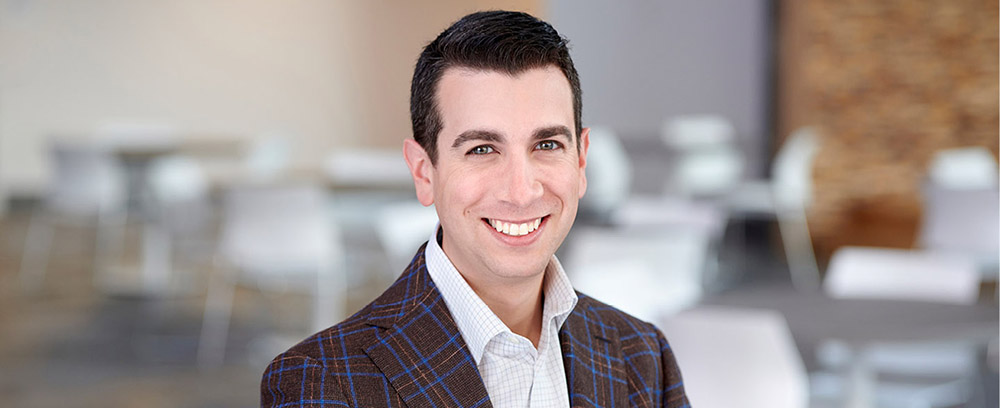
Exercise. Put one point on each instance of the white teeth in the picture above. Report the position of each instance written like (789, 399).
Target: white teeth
(515, 230)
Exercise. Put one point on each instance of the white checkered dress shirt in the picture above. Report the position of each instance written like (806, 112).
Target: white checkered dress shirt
(514, 372)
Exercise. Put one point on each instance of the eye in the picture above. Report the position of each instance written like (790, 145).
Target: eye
(481, 150)
(548, 145)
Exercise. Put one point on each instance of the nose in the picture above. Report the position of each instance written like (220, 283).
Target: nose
(521, 182)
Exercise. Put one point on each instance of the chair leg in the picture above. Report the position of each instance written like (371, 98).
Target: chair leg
(798, 250)
(861, 383)
(110, 240)
(157, 250)
(215, 322)
(37, 249)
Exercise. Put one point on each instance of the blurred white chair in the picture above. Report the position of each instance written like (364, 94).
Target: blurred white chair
(912, 275)
(668, 213)
(177, 179)
(647, 273)
(137, 144)
(368, 180)
(651, 212)
(609, 174)
(884, 273)
(962, 207)
(964, 168)
(709, 163)
(87, 184)
(402, 227)
(277, 237)
(792, 192)
(949, 365)
(787, 197)
(737, 358)
(183, 221)
(267, 157)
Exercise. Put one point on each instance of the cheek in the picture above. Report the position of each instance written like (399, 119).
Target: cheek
(462, 188)
(564, 182)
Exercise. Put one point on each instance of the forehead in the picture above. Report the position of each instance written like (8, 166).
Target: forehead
(512, 105)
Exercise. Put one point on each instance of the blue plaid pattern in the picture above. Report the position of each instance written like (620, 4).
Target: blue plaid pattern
(405, 350)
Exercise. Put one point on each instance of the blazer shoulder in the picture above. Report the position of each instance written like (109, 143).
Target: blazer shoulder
(300, 374)
(334, 366)
(653, 375)
(626, 324)
(358, 331)
(330, 366)
(338, 340)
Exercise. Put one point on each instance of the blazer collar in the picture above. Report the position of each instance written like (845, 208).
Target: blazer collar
(592, 358)
(421, 351)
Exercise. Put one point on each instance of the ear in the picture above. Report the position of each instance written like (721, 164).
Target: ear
(584, 146)
(421, 169)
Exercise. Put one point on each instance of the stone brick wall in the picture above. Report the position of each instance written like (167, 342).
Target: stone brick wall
(888, 82)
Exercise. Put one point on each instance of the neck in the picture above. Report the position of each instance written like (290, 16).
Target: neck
(517, 301)
(518, 306)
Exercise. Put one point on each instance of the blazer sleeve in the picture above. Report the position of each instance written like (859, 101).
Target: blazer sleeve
(673, 385)
(295, 380)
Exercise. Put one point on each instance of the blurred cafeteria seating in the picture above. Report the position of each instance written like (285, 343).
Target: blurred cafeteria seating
(197, 275)
(803, 195)
(212, 256)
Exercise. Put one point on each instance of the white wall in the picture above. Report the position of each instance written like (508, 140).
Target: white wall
(70, 66)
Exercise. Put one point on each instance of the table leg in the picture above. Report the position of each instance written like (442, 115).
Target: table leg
(156, 250)
(861, 382)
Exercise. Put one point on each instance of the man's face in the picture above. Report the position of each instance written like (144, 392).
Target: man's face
(507, 160)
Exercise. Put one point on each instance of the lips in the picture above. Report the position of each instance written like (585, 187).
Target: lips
(515, 229)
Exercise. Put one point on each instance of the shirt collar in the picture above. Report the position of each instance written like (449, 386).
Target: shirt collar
(477, 323)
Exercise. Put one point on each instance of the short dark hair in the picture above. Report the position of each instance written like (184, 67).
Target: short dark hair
(505, 41)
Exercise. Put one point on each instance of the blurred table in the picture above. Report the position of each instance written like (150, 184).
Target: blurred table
(814, 317)
(137, 153)
(862, 323)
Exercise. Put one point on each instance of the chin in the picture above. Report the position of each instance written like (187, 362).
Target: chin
(522, 270)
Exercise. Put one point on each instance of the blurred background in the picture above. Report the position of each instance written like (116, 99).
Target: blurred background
(803, 195)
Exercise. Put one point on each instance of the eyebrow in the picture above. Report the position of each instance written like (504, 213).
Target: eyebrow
(477, 134)
(552, 131)
(495, 137)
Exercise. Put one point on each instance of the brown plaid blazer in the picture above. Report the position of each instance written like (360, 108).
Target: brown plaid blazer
(405, 350)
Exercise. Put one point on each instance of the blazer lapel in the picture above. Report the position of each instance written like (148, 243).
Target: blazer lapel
(420, 350)
(592, 357)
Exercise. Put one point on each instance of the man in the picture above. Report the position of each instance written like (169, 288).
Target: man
(484, 315)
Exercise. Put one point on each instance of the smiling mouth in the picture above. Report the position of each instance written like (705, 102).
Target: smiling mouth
(514, 229)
